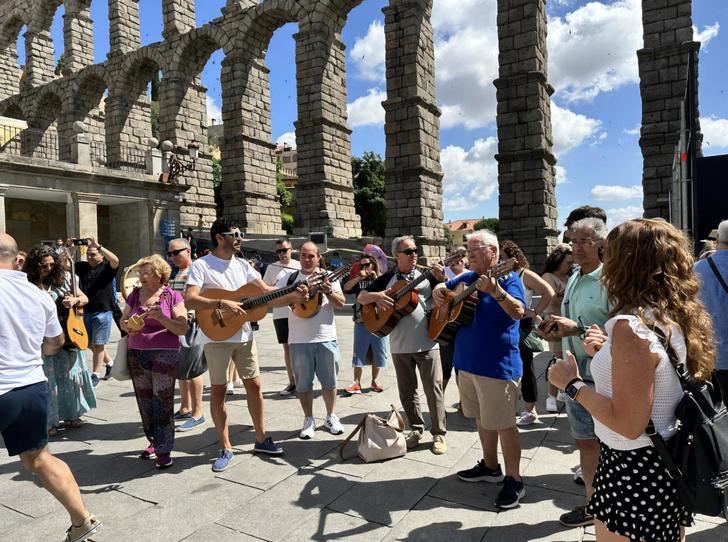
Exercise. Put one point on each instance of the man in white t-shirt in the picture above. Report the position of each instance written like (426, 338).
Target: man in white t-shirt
(313, 342)
(221, 269)
(29, 328)
(283, 268)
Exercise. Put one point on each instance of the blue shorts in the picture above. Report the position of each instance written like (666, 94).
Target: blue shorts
(580, 421)
(23, 418)
(363, 342)
(98, 326)
(321, 359)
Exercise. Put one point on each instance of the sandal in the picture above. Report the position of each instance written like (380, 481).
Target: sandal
(73, 424)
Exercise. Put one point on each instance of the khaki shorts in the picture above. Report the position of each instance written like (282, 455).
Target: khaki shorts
(490, 400)
(244, 355)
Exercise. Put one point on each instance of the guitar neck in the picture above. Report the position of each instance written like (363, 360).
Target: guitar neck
(496, 272)
(257, 301)
(412, 285)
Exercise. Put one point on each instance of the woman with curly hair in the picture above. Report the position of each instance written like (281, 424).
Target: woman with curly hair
(155, 317)
(649, 279)
(71, 394)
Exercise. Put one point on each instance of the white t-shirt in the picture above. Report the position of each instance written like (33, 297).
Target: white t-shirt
(273, 274)
(27, 315)
(213, 272)
(318, 329)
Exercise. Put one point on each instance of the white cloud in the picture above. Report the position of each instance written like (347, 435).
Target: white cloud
(368, 53)
(715, 132)
(571, 129)
(621, 214)
(633, 131)
(561, 175)
(471, 176)
(367, 110)
(613, 192)
(213, 111)
(289, 138)
(707, 34)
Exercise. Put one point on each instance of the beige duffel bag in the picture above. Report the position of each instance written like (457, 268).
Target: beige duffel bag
(379, 438)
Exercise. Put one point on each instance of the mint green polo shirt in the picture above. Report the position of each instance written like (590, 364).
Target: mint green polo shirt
(585, 302)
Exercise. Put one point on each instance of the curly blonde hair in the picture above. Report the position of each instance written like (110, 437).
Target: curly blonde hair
(648, 265)
(159, 265)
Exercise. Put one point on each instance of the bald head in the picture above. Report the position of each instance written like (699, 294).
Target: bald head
(8, 251)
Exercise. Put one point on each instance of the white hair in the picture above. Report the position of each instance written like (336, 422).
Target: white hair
(596, 226)
(182, 241)
(487, 237)
(398, 241)
(723, 233)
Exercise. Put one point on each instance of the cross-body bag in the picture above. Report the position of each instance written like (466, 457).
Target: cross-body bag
(696, 457)
(379, 438)
(717, 273)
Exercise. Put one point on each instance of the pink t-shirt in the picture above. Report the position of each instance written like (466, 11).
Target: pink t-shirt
(154, 336)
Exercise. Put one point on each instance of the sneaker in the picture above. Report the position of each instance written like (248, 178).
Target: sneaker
(89, 526)
(190, 424)
(309, 426)
(527, 418)
(148, 452)
(333, 425)
(267, 447)
(107, 372)
(355, 388)
(551, 405)
(576, 518)
(223, 461)
(413, 439)
(288, 390)
(94, 379)
(577, 476)
(439, 446)
(377, 388)
(561, 396)
(238, 383)
(511, 493)
(179, 416)
(164, 461)
(481, 473)
(230, 389)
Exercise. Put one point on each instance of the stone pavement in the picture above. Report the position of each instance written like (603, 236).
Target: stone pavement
(306, 494)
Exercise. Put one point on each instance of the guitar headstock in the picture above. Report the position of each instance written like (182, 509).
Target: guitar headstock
(459, 254)
(504, 267)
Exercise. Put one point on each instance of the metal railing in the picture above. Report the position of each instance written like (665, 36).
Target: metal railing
(130, 159)
(10, 139)
(40, 144)
(97, 150)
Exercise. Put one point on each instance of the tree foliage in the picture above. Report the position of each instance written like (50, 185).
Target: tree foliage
(492, 224)
(368, 173)
(284, 195)
(216, 171)
(449, 237)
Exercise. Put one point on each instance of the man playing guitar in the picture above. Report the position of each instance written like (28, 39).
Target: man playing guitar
(220, 269)
(411, 347)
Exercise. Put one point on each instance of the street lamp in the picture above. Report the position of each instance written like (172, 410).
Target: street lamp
(175, 166)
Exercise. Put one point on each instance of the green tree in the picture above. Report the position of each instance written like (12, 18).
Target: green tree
(449, 237)
(284, 195)
(154, 105)
(60, 64)
(216, 171)
(368, 173)
(492, 224)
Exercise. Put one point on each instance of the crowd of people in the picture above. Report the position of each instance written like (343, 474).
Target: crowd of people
(600, 306)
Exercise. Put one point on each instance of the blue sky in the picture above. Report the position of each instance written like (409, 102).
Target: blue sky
(592, 64)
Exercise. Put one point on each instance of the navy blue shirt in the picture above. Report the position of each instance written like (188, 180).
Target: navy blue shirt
(489, 345)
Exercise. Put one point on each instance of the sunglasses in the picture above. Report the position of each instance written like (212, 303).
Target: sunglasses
(234, 234)
(282, 250)
(409, 251)
(365, 265)
(173, 253)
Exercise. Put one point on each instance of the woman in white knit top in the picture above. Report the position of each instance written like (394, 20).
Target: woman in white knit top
(650, 282)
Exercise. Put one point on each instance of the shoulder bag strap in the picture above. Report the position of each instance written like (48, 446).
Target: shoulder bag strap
(351, 436)
(567, 311)
(717, 273)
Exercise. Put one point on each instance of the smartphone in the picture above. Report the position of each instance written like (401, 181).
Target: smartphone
(80, 242)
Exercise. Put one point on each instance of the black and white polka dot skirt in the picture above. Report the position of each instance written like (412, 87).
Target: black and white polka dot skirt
(634, 496)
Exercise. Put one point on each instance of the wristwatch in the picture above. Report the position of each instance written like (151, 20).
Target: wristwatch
(573, 387)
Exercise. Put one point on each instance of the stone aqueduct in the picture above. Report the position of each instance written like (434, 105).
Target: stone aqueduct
(54, 103)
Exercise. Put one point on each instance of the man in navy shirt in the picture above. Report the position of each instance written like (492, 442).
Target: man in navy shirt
(490, 367)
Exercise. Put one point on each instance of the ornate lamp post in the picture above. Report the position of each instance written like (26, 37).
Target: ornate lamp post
(175, 166)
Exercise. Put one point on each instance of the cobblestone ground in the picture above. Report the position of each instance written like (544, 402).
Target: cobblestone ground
(308, 493)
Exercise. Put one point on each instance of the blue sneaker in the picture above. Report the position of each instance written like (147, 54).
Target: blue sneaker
(94, 379)
(191, 423)
(267, 447)
(223, 461)
(180, 416)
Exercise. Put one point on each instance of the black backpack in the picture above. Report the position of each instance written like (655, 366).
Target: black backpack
(696, 457)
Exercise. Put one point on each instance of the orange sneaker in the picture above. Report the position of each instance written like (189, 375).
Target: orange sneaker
(354, 388)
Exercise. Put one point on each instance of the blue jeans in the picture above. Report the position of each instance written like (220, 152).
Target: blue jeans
(321, 359)
(98, 326)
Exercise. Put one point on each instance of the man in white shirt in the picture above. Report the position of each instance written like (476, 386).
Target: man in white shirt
(221, 269)
(275, 272)
(29, 328)
(313, 342)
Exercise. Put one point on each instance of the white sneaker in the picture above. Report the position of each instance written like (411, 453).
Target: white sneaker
(333, 425)
(551, 405)
(229, 390)
(238, 383)
(309, 426)
(527, 418)
(561, 397)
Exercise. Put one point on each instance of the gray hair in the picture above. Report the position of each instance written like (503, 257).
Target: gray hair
(597, 227)
(8, 248)
(182, 241)
(398, 241)
(485, 236)
(723, 233)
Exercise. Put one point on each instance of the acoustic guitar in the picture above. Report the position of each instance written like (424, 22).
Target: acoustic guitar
(404, 293)
(458, 308)
(75, 326)
(220, 325)
(311, 308)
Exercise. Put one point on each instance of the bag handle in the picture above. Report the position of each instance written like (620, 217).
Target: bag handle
(351, 436)
(717, 273)
(400, 420)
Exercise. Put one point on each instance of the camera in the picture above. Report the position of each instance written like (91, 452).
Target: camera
(80, 242)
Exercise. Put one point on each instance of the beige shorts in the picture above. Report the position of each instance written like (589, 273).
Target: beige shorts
(244, 355)
(490, 400)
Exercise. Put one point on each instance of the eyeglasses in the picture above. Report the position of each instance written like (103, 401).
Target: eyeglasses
(582, 242)
(145, 272)
(173, 253)
(365, 265)
(409, 251)
(235, 234)
(282, 250)
(475, 249)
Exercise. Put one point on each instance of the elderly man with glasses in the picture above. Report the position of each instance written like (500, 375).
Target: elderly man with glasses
(411, 347)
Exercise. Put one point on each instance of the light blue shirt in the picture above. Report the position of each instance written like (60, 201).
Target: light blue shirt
(715, 299)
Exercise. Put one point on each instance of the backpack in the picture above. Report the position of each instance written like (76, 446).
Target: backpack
(696, 457)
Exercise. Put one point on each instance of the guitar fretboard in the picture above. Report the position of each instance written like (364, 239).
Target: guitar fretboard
(253, 302)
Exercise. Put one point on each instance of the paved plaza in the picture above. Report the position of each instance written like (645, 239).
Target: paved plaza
(306, 494)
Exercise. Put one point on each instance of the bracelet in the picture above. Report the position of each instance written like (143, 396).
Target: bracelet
(100, 248)
(501, 297)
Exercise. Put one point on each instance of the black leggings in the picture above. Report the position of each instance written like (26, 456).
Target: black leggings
(529, 386)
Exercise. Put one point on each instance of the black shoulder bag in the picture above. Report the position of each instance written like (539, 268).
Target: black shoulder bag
(696, 457)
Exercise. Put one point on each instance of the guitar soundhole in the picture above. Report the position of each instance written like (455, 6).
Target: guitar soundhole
(78, 331)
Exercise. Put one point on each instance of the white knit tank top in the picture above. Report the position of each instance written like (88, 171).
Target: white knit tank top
(667, 385)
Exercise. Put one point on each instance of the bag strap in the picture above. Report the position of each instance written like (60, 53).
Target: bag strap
(717, 273)
(400, 420)
(351, 436)
(292, 278)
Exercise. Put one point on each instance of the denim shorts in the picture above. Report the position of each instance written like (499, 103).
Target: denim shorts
(363, 342)
(98, 326)
(23, 418)
(321, 359)
(580, 421)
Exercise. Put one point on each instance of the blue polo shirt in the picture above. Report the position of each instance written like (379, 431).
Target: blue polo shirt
(715, 299)
(489, 345)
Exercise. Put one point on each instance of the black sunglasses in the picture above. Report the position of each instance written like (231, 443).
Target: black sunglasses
(234, 234)
(409, 251)
(365, 265)
(173, 253)
(282, 250)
